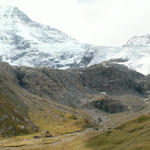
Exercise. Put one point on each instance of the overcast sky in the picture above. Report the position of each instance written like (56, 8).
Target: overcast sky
(100, 22)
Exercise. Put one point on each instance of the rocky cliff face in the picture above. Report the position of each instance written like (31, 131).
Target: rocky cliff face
(71, 86)
(112, 78)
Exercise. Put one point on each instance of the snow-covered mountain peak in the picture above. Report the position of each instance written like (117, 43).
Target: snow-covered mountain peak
(29, 43)
(136, 53)
(12, 13)
(6, 9)
(139, 41)
(24, 42)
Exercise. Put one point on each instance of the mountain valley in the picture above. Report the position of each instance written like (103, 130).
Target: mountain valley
(59, 94)
(66, 102)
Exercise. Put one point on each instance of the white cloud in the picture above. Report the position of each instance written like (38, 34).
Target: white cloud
(87, 1)
(7, 2)
(102, 22)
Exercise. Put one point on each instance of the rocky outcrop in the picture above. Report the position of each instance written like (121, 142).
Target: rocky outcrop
(112, 78)
(110, 106)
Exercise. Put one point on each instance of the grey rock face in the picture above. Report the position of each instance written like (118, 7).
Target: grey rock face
(110, 106)
(71, 86)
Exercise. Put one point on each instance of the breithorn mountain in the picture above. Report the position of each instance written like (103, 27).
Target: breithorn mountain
(24, 42)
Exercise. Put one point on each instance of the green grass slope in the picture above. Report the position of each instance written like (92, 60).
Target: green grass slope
(14, 118)
(12, 121)
(133, 135)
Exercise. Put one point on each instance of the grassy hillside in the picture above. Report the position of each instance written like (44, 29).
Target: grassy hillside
(14, 118)
(12, 121)
(46, 115)
(56, 118)
(133, 135)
